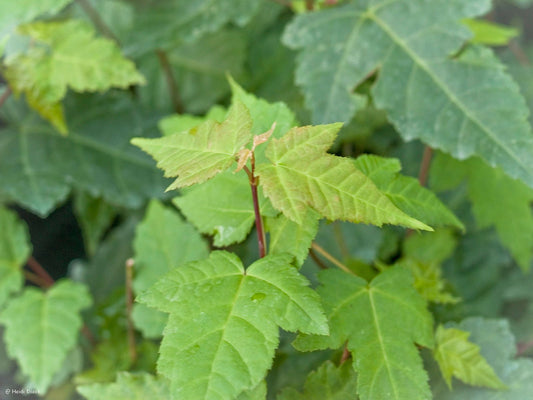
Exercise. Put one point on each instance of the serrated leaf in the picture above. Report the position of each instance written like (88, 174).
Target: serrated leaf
(510, 214)
(303, 175)
(453, 104)
(329, 382)
(201, 153)
(140, 386)
(54, 320)
(15, 248)
(287, 236)
(228, 343)
(39, 167)
(459, 357)
(94, 216)
(223, 207)
(498, 348)
(405, 191)
(162, 241)
(185, 21)
(381, 322)
(257, 393)
(489, 33)
(69, 57)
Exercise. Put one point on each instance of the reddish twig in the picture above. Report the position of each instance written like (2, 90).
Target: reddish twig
(129, 309)
(33, 278)
(175, 97)
(40, 272)
(317, 260)
(345, 354)
(261, 240)
(424, 165)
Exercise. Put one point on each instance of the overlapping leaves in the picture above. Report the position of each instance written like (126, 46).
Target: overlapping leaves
(411, 41)
(223, 323)
(382, 341)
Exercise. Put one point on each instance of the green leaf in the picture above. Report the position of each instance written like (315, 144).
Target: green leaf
(39, 167)
(489, 33)
(453, 104)
(223, 207)
(140, 386)
(405, 191)
(201, 153)
(423, 255)
(498, 348)
(459, 357)
(229, 344)
(287, 236)
(70, 57)
(497, 200)
(185, 21)
(381, 322)
(94, 216)
(257, 393)
(15, 248)
(183, 122)
(162, 241)
(15, 13)
(326, 383)
(54, 321)
(303, 175)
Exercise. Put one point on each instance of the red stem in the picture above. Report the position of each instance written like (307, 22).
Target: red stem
(345, 354)
(40, 272)
(261, 241)
(424, 165)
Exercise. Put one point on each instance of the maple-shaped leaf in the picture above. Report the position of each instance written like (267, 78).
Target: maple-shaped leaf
(423, 255)
(497, 346)
(162, 241)
(497, 200)
(68, 56)
(128, 386)
(202, 152)
(287, 236)
(451, 103)
(39, 167)
(223, 207)
(15, 248)
(459, 357)
(380, 321)
(223, 324)
(405, 191)
(303, 175)
(185, 21)
(328, 382)
(41, 328)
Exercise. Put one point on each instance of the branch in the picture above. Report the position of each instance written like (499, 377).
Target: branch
(129, 309)
(424, 165)
(330, 258)
(5, 96)
(175, 97)
(97, 20)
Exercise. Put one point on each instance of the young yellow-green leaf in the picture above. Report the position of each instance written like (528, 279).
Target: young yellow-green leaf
(381, 321)
(498, 348)
(489, 33)
(223, 324)
(202, 152)
(15, 248)
(162, 241)
(223, 207)
(405, 192)
(41, 328)
(328, 382)
(140, 386)
(451, 103)
(13, 13)
(459, 357)
(497, 200)
(287, 236)
(303, 175)
(68, 56)
(423, 255)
